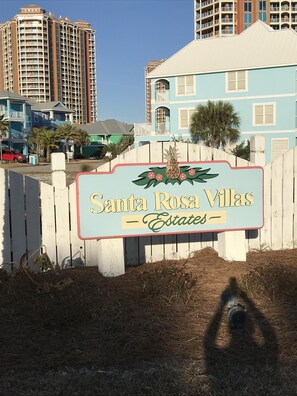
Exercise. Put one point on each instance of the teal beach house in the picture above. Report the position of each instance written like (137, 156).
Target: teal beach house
(256, 71)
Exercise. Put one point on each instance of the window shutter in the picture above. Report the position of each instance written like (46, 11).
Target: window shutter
(259, 115)
(269, 114)
(279, 147)
(189, 84)
(184, 118)
(231, 81)
(241, 80)
(181, 85)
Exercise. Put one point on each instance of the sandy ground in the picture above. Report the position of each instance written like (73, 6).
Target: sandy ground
(42, 171)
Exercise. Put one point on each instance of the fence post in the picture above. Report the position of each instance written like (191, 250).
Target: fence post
(58, 170)
(257, 146)
(232, 246)
(111, 259)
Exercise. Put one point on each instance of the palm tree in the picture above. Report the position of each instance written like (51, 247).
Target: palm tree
(49, 141)
(117, 148)
(4, 127)
(35, 139)
(45, 139)
(81, 139)
(67, 132)
(126, 141)
(216, 124)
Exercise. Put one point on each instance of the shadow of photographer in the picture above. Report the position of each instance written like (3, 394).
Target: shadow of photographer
(249, 342)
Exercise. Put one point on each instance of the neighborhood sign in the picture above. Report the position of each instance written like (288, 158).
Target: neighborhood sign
(151, 199)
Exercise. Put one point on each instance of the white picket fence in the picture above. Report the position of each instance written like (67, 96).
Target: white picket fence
(37, 217)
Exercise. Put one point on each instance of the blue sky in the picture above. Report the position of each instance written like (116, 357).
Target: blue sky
(129, 33)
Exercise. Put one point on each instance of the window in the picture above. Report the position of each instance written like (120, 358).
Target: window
(263, 16)
(247, 18)
(237, 81)
(185, 116)
(264, 114)
(248, 7)
(185, 85)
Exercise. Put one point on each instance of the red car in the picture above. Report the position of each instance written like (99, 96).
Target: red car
(11, 155)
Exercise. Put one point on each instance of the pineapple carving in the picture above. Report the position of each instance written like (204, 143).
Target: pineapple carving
(173, 172)
(172, 168)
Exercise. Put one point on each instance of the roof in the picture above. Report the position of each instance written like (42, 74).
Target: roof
(47, 106)
(258, 46)
(108, 127)
(13, 96)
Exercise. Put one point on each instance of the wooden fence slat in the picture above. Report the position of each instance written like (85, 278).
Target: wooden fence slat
(195, 242)
(131, 250)
(157, 247)
(265, 231)
(295, 197)
(5, 247)
(17, 207)
(77, 245)
(277, 203)
(170, 248)
(145, 249)
(48, 224)
(62, 226)
(288, 204)
(194, 152)
(33, 216)
(183, 246)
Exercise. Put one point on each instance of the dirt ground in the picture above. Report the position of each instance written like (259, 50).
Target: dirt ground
(160, 329)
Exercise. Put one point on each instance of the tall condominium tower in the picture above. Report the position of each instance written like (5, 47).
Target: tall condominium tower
(48, 59)
(219, 18)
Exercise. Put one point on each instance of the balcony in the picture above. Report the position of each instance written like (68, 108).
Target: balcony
(143, 130)
(163, 128)
(15, 116)
(162, 97)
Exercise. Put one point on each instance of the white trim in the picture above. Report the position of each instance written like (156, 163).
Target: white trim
(226, 70)
(268, 132)
(234, 98)
(273, 104)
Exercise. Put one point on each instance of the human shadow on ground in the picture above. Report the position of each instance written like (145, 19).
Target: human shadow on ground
(249, 342)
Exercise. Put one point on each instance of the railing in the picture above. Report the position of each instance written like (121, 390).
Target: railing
(162, 128)
(142, 129)
(162, 96)
(17, 114)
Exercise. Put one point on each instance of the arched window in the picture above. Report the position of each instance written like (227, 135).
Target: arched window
(162, 120)
(162, 91)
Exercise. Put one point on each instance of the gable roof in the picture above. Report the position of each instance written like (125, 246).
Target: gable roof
(13, 96)
(108, 127)
(47, 106)
(258, 46)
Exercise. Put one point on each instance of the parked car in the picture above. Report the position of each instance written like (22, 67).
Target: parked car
(12, 155)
